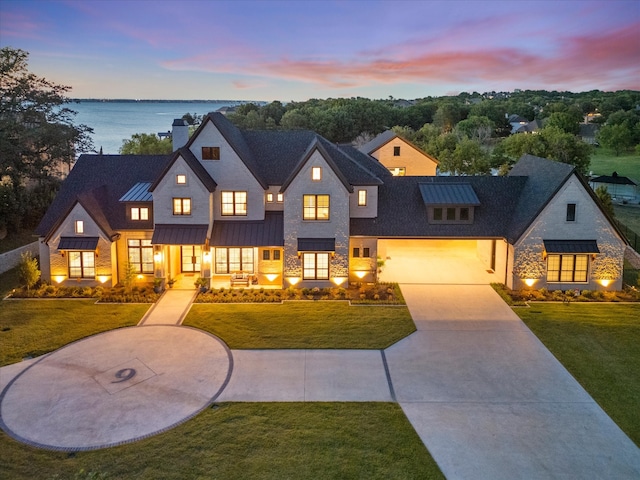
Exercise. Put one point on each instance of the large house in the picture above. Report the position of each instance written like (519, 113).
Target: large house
(289, 208)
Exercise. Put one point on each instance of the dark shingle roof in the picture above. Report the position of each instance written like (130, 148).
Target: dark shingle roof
(99, 181)
(613, 179)
(195, 166)
(402, 211)
(543, 179)
(378, 141)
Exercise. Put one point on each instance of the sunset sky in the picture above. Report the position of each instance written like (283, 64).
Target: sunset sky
(295, 50)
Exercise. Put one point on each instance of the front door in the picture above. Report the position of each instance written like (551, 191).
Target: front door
(191, 255)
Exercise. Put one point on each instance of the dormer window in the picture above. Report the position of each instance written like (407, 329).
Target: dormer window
(210, 153)
(362, 198)
(79, 227)
(451, 203)
(139, 213)
(316, 174)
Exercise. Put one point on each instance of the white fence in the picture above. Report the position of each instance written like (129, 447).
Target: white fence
(10, 259)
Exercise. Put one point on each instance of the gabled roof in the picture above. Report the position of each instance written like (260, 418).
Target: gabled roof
(193, 164)
(234, 136)
(318, 145)
(614, 179)
(98, 182)
(384, 138)
(543, 180)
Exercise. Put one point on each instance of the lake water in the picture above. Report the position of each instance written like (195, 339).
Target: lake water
(114, 121)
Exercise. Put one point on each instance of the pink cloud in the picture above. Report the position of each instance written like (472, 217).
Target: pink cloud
(20, 26)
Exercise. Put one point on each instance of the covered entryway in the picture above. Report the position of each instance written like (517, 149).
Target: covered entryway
(476, 262)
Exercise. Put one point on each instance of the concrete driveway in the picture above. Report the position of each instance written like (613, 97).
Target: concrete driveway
(490, 401)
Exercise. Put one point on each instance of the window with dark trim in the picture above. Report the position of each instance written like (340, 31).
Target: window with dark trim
(234, 203)
(571, 212)
(181, 179)
(356, 252)
(211, 153)
(365, 252)
(82, 264)
(140, 255)
(139, 213)
(396, 151)
(182, 206)
(315, 207)
(362, 198)
(316, 174)
(437, 214)
(315, 266)
(276, 254)
(266, 255)
(567, 268)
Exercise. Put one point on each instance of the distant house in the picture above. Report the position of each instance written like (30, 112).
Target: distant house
(588, 132)
(520, 124)
(290, 208)
(620, 188)
(400, 156)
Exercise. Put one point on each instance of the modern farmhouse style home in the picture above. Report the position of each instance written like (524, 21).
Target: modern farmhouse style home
(289, 208)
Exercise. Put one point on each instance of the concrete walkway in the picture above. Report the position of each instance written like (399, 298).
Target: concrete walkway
(490, 401)
(171, 309)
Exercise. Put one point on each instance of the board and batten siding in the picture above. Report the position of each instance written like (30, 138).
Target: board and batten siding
(415, 162)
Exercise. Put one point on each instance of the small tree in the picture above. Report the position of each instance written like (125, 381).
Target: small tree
(605, 199)
(129, 275)
(28, 272)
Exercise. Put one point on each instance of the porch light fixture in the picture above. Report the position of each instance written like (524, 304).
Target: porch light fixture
(604, 282)
(530, 281)
(360, 273)
(157, 257)
(59, 278)
(271, 276)
(339, 280)
(293, 280)
(207, 257)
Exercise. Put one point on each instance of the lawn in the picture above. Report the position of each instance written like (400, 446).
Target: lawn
(15, 240)
(599, 344)
(629, 216)
(305, 324)
(250, 440)
(605, 162)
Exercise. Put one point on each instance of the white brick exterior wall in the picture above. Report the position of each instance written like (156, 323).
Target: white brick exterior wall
(551, 224)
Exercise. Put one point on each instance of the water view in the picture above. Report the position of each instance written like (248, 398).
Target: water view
(115, 121)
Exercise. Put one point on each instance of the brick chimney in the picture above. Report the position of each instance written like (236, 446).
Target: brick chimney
(179, 133)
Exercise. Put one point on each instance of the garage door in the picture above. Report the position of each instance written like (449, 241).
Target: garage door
(438, 261)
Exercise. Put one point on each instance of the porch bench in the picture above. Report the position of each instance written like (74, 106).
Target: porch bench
(240, 278)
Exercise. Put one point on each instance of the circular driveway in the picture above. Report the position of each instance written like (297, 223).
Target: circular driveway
(115, 387)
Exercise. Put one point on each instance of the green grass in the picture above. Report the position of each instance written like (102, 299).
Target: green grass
(36, 327)
(600, 346)
(629, 216)
(15, 240)
(303, 325)
(605, 162)
(251, 440)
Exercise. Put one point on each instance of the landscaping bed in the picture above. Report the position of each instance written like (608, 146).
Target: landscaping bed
(522, 297)
(117, 294)
(379, 293)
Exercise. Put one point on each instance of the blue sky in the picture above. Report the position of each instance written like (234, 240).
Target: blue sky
(290, 50)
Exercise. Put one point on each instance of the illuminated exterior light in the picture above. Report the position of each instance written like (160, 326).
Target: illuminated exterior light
(140, 277)
(604, 282)
(271, 276)
(360, 273)
(103, 278)
(59, 278)
(293, 280)
(339, 280)
(207, 257)
(157, 257)
(530, 281)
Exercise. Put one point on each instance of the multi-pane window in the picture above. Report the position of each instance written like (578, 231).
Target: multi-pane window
(276, 254)
(181, 179)
(571, 212)
(315, 266)
(315, 207)
(366, 252)
(356, 252)
(190, 255)
(398, 171)
(567, 268)
(396, 151)
(82, 265)
(235, 259)
(139, 213)
(362, 198)
(234, 203)
(266, 255)
(316, 174)
(140, 255)
(79, 226)
(211, 153)
(182, 206)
